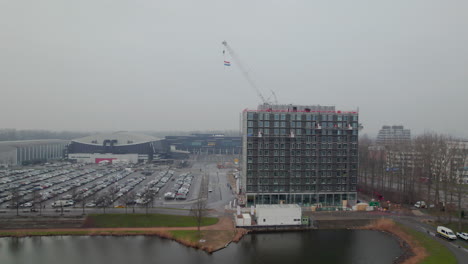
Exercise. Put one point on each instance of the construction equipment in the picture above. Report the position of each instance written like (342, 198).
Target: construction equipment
(270, 100)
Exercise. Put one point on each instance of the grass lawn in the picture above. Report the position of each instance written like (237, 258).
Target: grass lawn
(212, 239)
(454, 227)
(144, 220)
(438, 253)
(187, 235)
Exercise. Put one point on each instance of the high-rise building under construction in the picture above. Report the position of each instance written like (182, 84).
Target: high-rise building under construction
(299, 154)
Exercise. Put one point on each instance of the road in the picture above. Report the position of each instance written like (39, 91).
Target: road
(460, 252)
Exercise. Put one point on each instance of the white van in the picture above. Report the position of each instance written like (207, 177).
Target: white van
(420, 204)
(446, 233)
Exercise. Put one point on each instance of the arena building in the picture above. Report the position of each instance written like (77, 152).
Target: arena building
(116, 147)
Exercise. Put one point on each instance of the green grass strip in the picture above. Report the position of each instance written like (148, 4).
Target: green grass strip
(186, 235)
(438, 253)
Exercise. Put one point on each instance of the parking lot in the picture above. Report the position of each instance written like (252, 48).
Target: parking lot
(53, 187)
(67, 185)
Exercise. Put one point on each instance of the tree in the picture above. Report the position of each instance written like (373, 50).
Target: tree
(80, 197)
(16, 199)
(198, 210)
(462, 154)
(129, 198)
(112, 192)
(37, 198)
(148, 197)
(103, 201)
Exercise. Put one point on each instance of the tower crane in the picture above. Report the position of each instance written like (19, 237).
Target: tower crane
(270, 100)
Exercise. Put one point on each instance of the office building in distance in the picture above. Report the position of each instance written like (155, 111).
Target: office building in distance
(299, 155)
(24, 152)
(206, 143)
(390, 135)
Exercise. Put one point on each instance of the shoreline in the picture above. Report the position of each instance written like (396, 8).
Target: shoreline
(165, 234)
(412, 251)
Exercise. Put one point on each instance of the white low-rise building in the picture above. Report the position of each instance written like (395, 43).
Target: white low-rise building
(278, 214)
(243, 220)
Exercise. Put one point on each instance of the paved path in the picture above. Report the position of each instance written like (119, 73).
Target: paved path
(224, 223)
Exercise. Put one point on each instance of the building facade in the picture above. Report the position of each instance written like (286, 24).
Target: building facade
(14, 153)
(206, 143)
(299, 154)
(114, 147)
(390, 135)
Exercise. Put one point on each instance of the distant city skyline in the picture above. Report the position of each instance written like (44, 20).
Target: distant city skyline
(140, 66)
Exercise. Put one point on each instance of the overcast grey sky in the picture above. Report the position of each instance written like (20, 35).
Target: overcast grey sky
(158, 65)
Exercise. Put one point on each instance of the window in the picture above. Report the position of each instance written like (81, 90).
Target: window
(250, 116)
(283, 116)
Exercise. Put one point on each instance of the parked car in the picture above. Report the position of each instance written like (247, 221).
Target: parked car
(462, 235)
(420, 204)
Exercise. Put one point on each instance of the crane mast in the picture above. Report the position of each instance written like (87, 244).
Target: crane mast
(246, 75)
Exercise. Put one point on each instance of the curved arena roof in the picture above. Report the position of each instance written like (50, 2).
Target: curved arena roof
(122, 139)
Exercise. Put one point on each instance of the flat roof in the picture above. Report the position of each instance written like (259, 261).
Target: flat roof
(277, 206)
(123, 138)
(20, 143)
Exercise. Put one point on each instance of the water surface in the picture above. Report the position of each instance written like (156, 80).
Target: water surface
(317, 246)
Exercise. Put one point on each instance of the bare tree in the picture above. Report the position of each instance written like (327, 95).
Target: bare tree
(462, 155)
(16, 199)
(80, 197)
(103, 201)
(112, 193)
(37, 198)
(198, 210)
(129, 198)
(148, 198)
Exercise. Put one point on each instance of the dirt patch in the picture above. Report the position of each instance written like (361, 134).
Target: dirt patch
(413, 252)
(240, 232)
